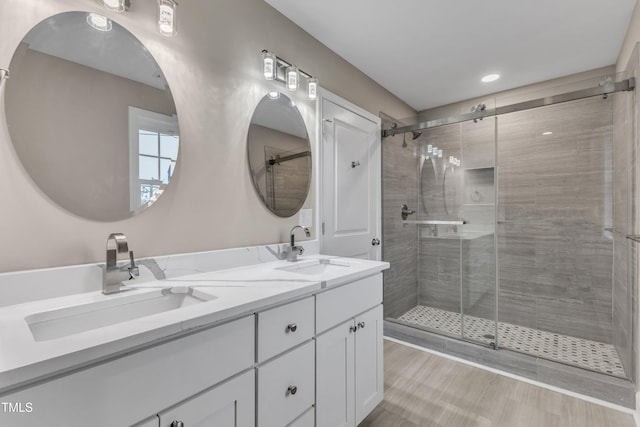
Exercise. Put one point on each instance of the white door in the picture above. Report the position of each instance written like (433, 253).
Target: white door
(335, 391)
(369, 371)
(351, 175)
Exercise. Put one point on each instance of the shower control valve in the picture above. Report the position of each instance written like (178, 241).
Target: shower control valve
(405, 212)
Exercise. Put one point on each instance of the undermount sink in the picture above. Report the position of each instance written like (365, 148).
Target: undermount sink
(66, 321)
(317, 266)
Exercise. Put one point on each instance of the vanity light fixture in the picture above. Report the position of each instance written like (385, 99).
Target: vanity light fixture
(167, 17)
(546, 133)
(99, 22)
(275, 68)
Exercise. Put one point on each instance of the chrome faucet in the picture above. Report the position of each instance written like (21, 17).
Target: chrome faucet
(293, 251)
(112, 274)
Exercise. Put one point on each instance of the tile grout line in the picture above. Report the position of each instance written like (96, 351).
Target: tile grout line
(619, 408)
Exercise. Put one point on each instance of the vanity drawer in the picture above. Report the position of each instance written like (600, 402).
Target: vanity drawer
(284, 327)
(338, 304)
(286, 387)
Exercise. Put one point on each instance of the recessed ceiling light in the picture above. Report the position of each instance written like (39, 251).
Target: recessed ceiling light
(546, 133)
(490, 78)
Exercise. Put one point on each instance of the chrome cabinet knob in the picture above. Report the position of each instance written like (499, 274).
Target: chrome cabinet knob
(361, 325)
(353, 329)
(292, 327)
(292, 389)
(177, 424)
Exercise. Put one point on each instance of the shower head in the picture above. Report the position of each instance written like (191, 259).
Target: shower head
(416, 134)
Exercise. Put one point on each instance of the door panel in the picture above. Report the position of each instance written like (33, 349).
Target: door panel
(335, 377)
(369, 362)
(351, 173)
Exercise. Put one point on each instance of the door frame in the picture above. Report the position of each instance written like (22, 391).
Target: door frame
(323, 95)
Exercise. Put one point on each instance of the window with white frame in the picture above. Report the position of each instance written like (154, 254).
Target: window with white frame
(153, 151)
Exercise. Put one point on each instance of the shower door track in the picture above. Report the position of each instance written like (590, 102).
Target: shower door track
(622, 86)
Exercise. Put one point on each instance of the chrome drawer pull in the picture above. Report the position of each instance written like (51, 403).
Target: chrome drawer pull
(292, 327)
(353, 329)
(177, 424)
(292, 389)
(361, 325)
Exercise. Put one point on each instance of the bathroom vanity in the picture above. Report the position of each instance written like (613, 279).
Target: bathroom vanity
(273, 344)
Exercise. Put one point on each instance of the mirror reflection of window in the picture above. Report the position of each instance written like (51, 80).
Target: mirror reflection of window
(153, 154)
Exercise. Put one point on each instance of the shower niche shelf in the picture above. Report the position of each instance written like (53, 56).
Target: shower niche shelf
(479, 187)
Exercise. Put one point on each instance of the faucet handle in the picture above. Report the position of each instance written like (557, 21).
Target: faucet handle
(134, 271)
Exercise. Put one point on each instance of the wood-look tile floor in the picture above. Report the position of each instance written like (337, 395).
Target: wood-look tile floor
(423, 389)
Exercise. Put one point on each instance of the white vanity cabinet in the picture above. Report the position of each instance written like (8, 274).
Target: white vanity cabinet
(349, 354)
(231, 404)
(286, 364)
(135, 387)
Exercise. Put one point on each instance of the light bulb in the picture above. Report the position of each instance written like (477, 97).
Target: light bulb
(269, 65)
(99, 22)
(312, 88)
(458, 162)
(451, 159)
(429, 148)
(167, 17)
(292, 78)
(115, 5)
(439, 153)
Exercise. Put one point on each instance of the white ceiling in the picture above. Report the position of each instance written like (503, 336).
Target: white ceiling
(434, 52)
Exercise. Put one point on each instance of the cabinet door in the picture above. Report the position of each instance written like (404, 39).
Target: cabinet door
(369, 372)
(335, 377)
(231, 404)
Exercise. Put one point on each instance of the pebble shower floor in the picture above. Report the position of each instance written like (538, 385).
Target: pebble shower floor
(592, 355)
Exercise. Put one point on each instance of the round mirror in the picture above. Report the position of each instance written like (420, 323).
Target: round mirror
(279, 154)
(91, 116)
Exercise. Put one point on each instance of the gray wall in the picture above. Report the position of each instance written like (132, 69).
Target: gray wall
(400, 242)
(213, 67)
(554, 254)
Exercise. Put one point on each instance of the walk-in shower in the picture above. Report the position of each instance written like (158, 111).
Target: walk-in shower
(518, 240)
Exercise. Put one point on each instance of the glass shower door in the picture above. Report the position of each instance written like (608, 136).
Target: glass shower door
(456, 231)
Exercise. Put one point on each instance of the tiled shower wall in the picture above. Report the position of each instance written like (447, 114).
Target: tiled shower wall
(399, 242)
(624, 275)
(555, 244)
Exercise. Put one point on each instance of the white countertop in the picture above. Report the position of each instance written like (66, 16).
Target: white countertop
(238, 292)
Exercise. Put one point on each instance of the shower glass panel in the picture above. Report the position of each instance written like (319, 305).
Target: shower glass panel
(555, 233)
(455, 223)
(517, 238)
